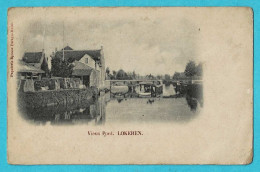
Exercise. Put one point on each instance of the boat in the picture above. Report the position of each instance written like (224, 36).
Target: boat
(150, 89)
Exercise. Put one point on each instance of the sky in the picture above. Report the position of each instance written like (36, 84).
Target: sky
(147, 41)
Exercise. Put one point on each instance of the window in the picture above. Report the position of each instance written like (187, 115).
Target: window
(86, 60)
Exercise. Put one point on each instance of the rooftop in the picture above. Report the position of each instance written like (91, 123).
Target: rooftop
(27, 68)
(72, 55)
(80, 69)
(32, 57)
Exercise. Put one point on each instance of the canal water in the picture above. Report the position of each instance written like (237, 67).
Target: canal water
(176, 104)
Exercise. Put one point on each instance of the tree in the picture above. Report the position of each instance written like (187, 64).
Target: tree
(114, 74)
(176, 75)
(107, 70)
(199, 70)
(150, 76)
(111, 77)
(45, 68)
(121, 75)
(108, 73)
(190, 69)
(61, 68)
(134, 75)
(129, 76)
(159, 77)
(167, 77)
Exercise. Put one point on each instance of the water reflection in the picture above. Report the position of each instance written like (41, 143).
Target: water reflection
(178, 103)
(193, 94)
(87, 112)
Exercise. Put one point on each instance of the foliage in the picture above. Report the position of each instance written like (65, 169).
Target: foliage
(107, 70)
(199, 70)
(45, 68)
(121, 75)
(190, 69)
(61, 68)
(176, 75)
(108, 76)
(167, 77)
(114, 73)
(150, 77)
(134, 75)
(159, 77)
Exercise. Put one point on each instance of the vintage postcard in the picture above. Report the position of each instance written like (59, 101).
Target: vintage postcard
(130, 85)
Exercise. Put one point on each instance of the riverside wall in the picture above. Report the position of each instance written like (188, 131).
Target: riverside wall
(56, 97)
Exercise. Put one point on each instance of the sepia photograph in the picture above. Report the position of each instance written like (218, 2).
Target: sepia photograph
(161, 85)
(110, 71)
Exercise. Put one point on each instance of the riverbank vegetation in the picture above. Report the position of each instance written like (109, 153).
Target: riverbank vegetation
(61, 68)
(192, 71)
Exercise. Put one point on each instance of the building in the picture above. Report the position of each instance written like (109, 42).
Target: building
(27, 71)
(89, 65)
(33, 65)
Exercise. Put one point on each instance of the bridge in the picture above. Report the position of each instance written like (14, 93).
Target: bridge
(137, 81)
(134, 82)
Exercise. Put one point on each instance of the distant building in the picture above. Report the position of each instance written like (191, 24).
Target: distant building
(89, 65)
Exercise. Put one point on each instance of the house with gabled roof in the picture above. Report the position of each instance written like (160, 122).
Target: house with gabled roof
(89, 65)
(33, 64)
(35, 59)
